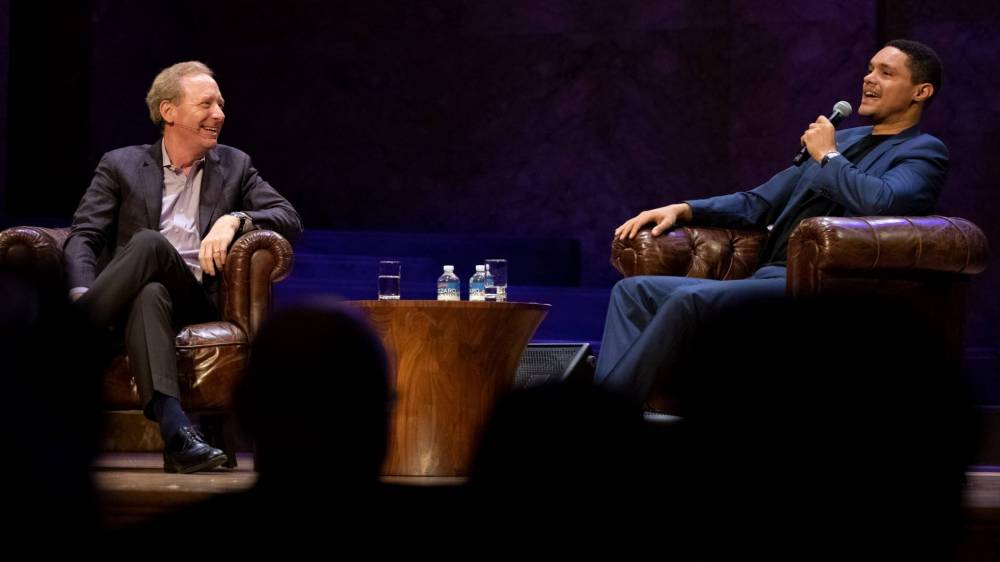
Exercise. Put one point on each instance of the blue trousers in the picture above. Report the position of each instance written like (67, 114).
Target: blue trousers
(652, 319)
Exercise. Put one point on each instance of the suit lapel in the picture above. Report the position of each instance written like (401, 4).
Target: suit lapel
(212, 181)
(151, 184)
(859, 134)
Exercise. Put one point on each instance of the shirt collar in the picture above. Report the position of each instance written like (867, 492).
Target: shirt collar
(170, 165)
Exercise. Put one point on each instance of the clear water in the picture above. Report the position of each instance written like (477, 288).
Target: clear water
(448, 288)
(388, 287)
(477, 287)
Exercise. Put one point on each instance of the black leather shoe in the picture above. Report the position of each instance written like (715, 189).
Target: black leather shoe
(188, 452)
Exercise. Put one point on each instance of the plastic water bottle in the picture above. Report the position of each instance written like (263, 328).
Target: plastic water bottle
(448, 285)
(477, 285)
(490, 291)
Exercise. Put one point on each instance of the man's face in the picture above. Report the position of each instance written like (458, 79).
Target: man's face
(197, 117)
(888, 88)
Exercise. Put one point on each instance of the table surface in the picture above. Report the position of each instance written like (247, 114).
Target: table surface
(405, 303)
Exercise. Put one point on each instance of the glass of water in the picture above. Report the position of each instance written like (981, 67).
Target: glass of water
(498, 269)
(388, 280)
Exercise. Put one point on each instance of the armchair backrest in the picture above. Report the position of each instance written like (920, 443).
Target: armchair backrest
(881, 254)
(256, 260)
(925, 263)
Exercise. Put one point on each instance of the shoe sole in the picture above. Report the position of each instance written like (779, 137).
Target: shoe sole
(209, 464)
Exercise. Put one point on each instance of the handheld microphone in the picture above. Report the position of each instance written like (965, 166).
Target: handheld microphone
(841, 109)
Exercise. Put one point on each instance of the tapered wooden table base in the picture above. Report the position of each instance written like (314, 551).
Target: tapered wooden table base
(452, 361)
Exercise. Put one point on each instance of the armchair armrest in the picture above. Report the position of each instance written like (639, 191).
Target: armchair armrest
(33, 248)
(256, 260)
(827, 250)
(703, 252)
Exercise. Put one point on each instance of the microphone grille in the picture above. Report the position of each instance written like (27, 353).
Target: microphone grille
(843, 108)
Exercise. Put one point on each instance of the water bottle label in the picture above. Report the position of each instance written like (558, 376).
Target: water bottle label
(477, 291)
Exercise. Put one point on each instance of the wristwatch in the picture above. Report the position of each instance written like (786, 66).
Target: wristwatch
(828, 156)
(245, 221)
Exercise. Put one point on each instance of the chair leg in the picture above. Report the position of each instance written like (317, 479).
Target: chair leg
(230, 439)
(215, 430)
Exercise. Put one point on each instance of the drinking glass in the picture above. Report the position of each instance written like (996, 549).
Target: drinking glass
(498, 269)
(388, 280)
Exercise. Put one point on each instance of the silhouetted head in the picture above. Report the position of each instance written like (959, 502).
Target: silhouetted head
(833, 421)
(315, 398)
(562, 453)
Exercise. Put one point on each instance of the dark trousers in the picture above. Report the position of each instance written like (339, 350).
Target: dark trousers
(148, 290)
(652, 319)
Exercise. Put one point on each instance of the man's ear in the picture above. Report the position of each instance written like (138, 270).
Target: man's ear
(167, 109)
(923, 92)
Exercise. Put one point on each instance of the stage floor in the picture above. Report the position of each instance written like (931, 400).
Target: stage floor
(133, 486)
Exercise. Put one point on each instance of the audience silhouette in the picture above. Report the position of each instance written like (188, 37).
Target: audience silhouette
(315, 401)
(50, 421)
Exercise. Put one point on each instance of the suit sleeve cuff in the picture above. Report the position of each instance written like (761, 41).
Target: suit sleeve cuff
(699, 207)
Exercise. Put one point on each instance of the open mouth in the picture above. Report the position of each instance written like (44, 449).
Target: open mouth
(212, 131)
(870, 94)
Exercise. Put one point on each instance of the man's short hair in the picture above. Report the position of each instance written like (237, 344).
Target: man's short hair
(167, 86)
(924, 64)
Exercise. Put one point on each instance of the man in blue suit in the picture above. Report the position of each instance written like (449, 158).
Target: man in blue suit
(151, 235)
(890, 168)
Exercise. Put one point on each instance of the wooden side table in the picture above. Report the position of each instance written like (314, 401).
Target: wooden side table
(452, 360)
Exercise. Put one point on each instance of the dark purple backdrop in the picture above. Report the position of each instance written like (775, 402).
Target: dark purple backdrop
(537, 117)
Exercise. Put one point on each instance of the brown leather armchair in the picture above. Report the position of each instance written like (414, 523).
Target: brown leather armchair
(210, 356)
(927, 261)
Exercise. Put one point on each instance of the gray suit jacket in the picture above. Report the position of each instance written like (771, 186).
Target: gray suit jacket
(126, 195)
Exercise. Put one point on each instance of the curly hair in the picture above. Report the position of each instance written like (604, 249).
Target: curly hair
(923, 62)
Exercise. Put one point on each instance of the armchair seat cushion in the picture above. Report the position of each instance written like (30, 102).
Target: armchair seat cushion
(210, 358)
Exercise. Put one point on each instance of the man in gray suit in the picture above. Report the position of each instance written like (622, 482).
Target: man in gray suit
(151, 235)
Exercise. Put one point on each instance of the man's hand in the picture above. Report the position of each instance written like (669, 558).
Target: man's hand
(212, 254)
(820, 138)
(664, 217)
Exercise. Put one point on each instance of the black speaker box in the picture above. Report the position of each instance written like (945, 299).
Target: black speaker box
(544, 363)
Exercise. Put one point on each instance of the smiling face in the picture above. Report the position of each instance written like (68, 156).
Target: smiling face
(888, 93)
(196, 119)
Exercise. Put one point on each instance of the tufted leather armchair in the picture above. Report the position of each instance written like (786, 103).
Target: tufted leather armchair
(925, 261)
(210, 356)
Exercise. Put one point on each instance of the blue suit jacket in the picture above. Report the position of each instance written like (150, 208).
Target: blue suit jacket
(126, 196)
(901, 176)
